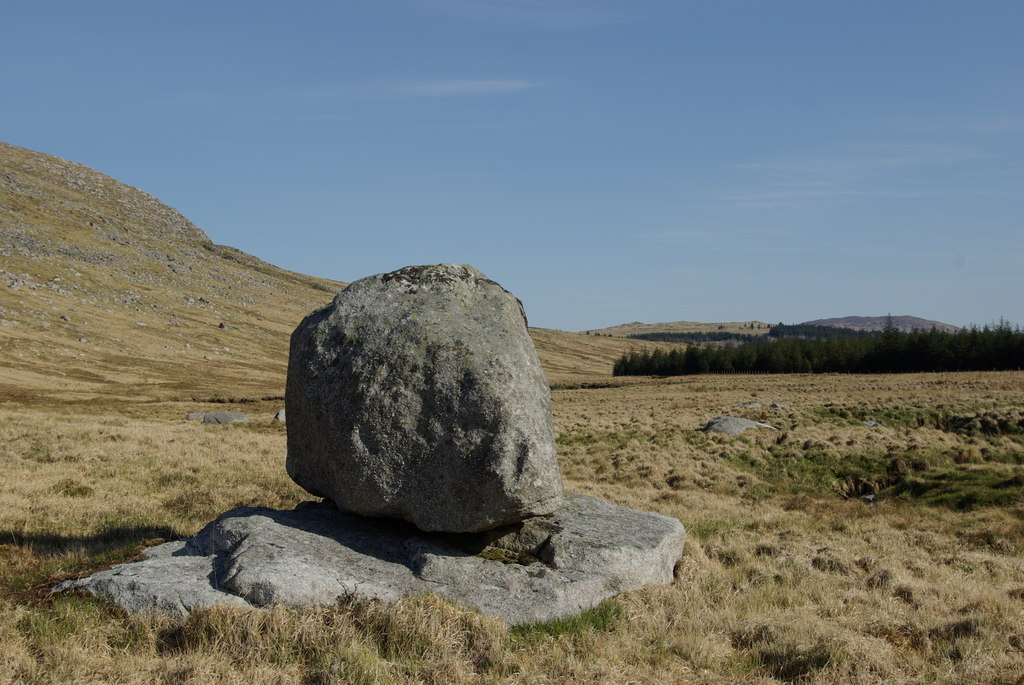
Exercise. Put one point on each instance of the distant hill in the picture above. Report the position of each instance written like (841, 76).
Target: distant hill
(877, 323)
(107, 292)
(637, 328)
(743, 328)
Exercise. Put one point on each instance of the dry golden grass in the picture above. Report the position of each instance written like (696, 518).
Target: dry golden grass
(575, 358)
(824, 552)
(787, 576)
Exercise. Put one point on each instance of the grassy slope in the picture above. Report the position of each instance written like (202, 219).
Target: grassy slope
(788, 574)
(117, 296)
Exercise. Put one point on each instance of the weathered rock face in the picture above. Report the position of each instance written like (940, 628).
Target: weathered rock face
(542, 569)
(418, 395)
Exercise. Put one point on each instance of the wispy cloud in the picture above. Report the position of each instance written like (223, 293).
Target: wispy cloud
(462, 87)
(866, 159)
(868, 171)
(435, 88)
(992, 124)
(795, 196)
(553, 13)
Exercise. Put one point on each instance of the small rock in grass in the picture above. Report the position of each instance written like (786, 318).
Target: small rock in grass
(733, 425)
(225, 417)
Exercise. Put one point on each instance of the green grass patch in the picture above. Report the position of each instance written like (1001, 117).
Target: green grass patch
(706, 529)
(1005, 421)
(792, 469)
(962, 488)
(926, 478)
(64, 617)
(605, 618)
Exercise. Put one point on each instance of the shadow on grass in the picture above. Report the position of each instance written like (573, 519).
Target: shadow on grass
(31, 565)
(119, 537)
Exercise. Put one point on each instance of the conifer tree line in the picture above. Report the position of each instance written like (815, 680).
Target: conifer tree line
(998, 347)
(780, 330)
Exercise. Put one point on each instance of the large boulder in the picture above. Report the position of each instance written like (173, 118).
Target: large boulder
(541, 569)
(418, 395)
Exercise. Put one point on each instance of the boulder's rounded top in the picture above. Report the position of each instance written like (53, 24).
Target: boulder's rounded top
(427, 276)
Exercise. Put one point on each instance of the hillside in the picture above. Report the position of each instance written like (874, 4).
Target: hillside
(107, 292)
(877, 323)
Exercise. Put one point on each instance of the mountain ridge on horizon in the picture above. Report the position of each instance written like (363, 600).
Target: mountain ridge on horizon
(903, 323)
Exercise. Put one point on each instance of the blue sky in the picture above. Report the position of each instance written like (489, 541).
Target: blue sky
(606, 161)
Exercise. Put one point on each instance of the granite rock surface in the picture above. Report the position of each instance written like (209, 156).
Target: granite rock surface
(733, 425)
(537, 570)
(418, 395)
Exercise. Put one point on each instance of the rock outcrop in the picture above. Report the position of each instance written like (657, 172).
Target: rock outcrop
(418, 395)
(539, 570)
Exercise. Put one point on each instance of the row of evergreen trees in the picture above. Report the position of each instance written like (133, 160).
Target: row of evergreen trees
(780, 330)
(696, 337)
(892, 351)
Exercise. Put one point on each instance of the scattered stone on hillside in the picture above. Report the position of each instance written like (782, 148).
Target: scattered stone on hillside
(733, 425)
(227, 326)
(871, 423)
(749, 405)
(197, 416)
(224, 417)
(279, 416)
(779, 405)
(540, 570)
(418, 395)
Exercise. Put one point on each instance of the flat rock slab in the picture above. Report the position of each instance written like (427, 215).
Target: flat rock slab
(733, 425)
(538, 570)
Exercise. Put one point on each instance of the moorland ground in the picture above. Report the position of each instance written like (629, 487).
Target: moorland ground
(827, 551)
